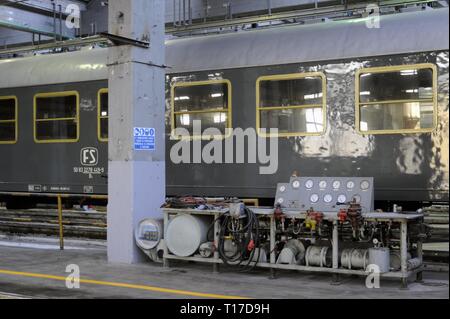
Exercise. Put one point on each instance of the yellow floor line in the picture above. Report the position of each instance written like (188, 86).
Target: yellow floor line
(122, 285)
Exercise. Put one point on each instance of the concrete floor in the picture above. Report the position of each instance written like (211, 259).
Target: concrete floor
(30, 272)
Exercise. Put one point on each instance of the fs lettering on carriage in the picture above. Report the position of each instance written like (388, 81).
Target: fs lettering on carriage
(89, 156)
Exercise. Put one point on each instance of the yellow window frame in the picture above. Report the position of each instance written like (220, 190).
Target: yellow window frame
(15, 121)
(199, 83)
(99, 115)
(77, 118)
(389, 69)
(292, 76)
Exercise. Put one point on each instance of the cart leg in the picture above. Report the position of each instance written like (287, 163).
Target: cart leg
(272, 240)
(273, 274)
(336, 281)
(419, 277)
(404, 253)
(216, 269)
(166, 263)
(404, 283)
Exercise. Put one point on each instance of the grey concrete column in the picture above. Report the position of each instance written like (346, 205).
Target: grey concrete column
(136, 183)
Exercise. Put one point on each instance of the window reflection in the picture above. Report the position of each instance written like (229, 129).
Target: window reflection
(8, 119)
(202, 101)
(397, 99)
(294, 104)
(56, 117)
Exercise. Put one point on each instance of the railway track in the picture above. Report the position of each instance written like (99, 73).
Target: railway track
(44, 221)
(93, 225)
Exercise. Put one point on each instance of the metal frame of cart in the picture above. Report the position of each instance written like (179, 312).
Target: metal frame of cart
(403, 219)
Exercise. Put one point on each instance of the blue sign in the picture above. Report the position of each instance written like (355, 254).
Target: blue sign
(144, 139)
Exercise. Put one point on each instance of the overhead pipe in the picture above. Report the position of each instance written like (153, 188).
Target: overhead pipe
(60, 23)
(54, 21)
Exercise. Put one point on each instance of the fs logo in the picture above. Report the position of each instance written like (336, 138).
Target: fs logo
(89, 156)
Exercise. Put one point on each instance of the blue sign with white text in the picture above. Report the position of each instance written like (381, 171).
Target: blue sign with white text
(144, 139)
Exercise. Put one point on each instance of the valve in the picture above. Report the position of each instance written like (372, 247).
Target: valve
(313, 219)
(251, 245)
(278, 212)
(342, 215)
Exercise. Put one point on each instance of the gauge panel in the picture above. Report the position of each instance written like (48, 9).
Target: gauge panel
(309, 184)
(314, 198)
(325, 194)
(342, 199)
(328, 198)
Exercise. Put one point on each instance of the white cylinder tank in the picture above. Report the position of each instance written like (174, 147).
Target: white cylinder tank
(185, 234)
(381, 258)
(355, 258)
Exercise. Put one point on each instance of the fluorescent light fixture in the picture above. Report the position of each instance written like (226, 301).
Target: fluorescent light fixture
(182, 98)
(363, 126)
(313, 96)
(220, 118)
(408, 72)
(185, 119)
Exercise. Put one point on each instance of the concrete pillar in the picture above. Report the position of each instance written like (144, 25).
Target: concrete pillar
(136, 183)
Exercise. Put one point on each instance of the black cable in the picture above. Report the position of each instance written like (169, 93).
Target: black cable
(242, 237)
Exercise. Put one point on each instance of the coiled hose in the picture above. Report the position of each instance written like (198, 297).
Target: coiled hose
(245, 237)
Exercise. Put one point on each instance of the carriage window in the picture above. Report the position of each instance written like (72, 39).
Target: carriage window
(103, 115)
(398, 99)
(56, 117)
(208, 102)
(8, 120)
(295, 104)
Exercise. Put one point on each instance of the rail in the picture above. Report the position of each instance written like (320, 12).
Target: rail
(59, 198)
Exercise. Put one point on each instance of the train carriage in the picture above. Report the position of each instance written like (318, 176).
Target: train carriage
(347, 99)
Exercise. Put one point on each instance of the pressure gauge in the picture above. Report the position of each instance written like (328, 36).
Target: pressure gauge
(336, 184)
(309, 184)
(314, 198)
(323, 184)
(365, 185)
(283, 189)
(357, 198)
(342, 199)
(296, 184)
(280, 200)
(328, 198)
(350, 184)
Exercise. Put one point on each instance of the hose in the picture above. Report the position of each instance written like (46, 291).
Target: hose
(242, 236)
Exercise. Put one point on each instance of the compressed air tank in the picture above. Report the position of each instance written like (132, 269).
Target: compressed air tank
(355, 258)
(185, 234)
(319, 256)
(396, 263)
(381, 258)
